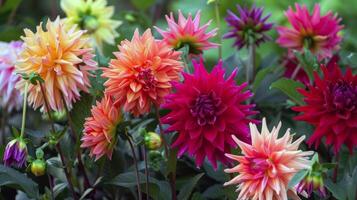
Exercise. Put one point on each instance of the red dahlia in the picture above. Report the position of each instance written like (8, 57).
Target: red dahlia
(206, 111)
(331, 106)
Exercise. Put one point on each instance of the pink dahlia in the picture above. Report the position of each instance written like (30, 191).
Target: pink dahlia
(187, 31)
(100, 128)
(10, 97)
(206, 110)
(268, 164)
(331, 106)
(320, 34)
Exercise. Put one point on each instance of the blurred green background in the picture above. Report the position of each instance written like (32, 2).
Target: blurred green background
(18, 14)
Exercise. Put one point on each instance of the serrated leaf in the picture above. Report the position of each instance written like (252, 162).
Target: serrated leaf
(289, 87)
(187, 189)
(14, 179)
(297, 178)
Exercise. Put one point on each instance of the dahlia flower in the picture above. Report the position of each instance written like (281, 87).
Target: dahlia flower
(249, 27)
(10, 97)
(331, 106)
(268, 164)
(15, 153)
(93, 16)
(310, 183)
(206, 110)
(319, 34)
(100, 128)
(58, 55)
(187, 31)
(142, 72)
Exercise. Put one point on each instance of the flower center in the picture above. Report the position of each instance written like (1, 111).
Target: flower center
(262, 167)
(344, 96)
(205, 108)
(147, 79)
(309, 42)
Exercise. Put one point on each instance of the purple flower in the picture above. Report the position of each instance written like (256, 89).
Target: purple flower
(310, 183)
(15, 153)
(249, 27)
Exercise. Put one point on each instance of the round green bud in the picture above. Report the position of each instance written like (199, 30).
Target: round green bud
(39, 153)
(152, 140)
(38, 167)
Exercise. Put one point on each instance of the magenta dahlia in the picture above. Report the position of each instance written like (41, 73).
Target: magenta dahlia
(319, 34)
(206, 110)
(331, 106)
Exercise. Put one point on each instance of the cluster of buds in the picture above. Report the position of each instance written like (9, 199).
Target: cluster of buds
(314, 181)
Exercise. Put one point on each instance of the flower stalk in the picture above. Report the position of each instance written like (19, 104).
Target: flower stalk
(24, 111)
(135, 164)
(218, 21)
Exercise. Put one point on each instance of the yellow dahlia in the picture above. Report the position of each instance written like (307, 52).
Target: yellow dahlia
(93, 16)
(58, 55)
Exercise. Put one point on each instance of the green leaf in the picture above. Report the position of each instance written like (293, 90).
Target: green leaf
(9, 5)
(297, 178)
(214, 192)
(142, 5)
(159, 190)
(80, 111)
(260, 76)
(188, 187)
(171, 162)
(14, 179)
(348, 183)
(289, 87)
(307, 61)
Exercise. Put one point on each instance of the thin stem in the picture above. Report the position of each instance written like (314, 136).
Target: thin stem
(146, 173)
(66, 170)
(218, 21)
(24, 111)
(78, 150)
(3, 126)
(51, 186)
(335, 171)
(135, 164)
(295, 72)
(162, 133)
(58, 146)
(173, 174)
(251, 67)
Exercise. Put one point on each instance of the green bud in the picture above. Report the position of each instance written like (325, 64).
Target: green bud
(39, 153)
(38, 167)
(152, 140)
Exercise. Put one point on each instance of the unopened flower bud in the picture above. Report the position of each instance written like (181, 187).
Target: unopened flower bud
(15, 153)
(152, 140)
(38, 167)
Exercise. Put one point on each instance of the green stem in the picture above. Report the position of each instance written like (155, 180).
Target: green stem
(250, 70)
(173, 174)
(146, 173)
(218, 21)
(24, 108)
(67, 171)
(135, 164)
(77, 141)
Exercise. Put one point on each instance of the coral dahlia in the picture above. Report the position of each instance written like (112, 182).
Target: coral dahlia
(100, 128)
(58, 55)
(331, 106)
(187, 31)
(10, 97)
(142, 72)
(249, 27)
(93, 16)
(206, 110)
(319, 34)
(268, 164)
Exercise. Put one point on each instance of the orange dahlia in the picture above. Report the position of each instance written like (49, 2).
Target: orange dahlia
(268, 164)
(58, 55)
(142, 73)
(100, 128)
